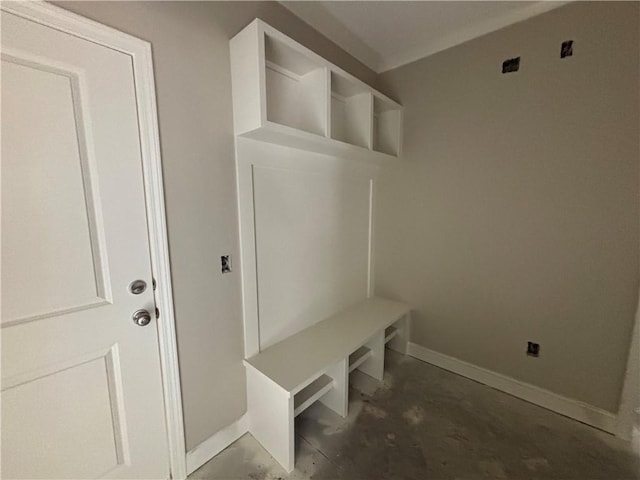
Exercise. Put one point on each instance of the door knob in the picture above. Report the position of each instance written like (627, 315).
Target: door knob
(142, 318)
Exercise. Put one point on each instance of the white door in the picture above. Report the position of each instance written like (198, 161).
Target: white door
(81, 382)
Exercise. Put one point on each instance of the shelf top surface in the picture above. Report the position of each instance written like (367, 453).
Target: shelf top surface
(287, 136)
(299, 357)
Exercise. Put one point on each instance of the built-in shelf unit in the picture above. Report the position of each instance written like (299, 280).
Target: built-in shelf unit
(286, 94)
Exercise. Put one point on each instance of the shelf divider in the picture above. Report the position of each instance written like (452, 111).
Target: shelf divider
(358, 357)
(312, 392)
(389, 333)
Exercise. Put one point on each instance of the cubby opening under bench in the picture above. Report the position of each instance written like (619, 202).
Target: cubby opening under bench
(314, 365)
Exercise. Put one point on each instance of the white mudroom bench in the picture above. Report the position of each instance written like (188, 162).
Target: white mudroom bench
(314, 365)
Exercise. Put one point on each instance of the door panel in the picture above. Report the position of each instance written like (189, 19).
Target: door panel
(62, 234)
(82, 393)
(81, 384)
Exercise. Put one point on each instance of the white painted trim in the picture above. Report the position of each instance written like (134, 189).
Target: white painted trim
(629, 410)
(371, 240)
(635, 440)
(216, 443)
(141, 57)
(160, 264)
(569, 407)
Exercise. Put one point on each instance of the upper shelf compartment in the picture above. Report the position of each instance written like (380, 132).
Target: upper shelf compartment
(284, 93)
(350, 111)
(295, 86)
(387, 118)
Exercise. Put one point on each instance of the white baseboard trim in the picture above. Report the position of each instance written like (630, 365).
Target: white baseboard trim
(216, 443)
(569, 407)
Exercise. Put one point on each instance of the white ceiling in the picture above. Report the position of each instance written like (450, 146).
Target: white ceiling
(386, 34)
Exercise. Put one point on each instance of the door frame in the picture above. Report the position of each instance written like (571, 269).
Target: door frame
(141, 57)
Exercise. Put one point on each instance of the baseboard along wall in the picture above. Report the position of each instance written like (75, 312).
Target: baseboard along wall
(583, 412)
(216, 443)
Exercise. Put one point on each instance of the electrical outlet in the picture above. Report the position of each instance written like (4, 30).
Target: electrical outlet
(225, 262)
(533, 349)
(566, 50)
(511, 65)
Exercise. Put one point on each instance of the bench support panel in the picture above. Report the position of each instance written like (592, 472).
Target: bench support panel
(337, 399)
(374, 366)
(271, 417)
(400, 342)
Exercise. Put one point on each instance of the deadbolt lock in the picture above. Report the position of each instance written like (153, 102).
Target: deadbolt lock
(137, 287)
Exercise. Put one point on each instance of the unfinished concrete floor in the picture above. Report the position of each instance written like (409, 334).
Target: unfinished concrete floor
(426, 423)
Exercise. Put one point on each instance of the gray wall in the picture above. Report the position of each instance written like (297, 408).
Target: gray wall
(513, 215)
(191, 58)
